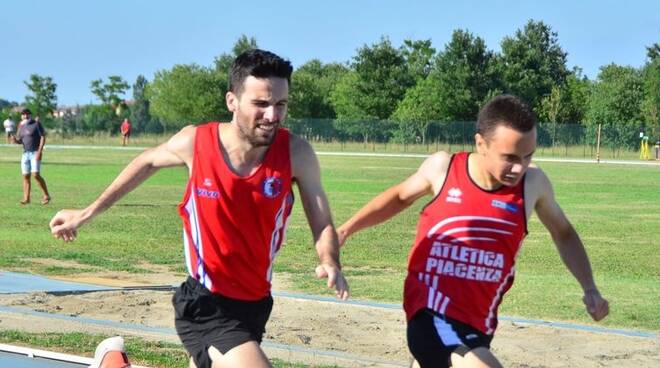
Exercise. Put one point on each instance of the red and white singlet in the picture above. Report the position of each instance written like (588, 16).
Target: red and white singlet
(234, 226)
(463, 258)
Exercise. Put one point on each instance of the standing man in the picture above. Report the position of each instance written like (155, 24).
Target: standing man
(9, 129)
(468, 236)
(125, 130)
(32, 136)
(235, 210)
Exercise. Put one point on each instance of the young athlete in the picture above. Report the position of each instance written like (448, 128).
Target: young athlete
(235, 211)
(468, 237)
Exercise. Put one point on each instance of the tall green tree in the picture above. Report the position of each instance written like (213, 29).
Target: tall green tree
(615, 102)
(421, 106)
(566, 103)
(651, 103)
(419, 55)
(379, 82)
(43, 100)
(467, 73)
(532, 63)
(311, 87)
(140, 116)
(109, 92)
(187, 94)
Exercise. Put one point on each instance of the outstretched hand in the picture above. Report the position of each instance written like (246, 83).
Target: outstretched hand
(335, 279)
(65, 224)
(597, 306)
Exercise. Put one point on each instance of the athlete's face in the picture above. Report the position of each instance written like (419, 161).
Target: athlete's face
(507, 153)
(259, 109)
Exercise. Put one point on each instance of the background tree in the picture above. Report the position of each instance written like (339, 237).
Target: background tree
(532, 63)
(421, 106)
(651, 103)
(43, 100)
(187, 94)
(140, 116)
(109, 93)
(466, 72)
(379, 81)
(419, 56)
(615, 102)
(311, 87)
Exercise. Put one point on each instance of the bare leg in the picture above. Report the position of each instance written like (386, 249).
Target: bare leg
(246, 355)
(42, 183)
(476, 358)
(26, 189)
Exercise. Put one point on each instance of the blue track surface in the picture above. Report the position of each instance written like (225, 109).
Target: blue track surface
(10, 360)
(12, 282)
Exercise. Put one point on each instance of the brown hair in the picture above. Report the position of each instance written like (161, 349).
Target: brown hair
(506, 110)
(260, 64)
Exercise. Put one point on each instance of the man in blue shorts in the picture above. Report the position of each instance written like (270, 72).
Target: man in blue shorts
(32, 136)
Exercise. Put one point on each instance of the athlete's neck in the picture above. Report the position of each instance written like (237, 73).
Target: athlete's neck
(480, 175)
(241, 157)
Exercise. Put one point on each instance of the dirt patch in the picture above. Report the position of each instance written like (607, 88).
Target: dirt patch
(373, 333)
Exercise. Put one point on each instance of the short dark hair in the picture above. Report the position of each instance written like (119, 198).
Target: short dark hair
(26, 111)
(259, 64)
(506, 110)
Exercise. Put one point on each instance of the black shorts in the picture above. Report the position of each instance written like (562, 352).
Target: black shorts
(203, 319)
(432, 338)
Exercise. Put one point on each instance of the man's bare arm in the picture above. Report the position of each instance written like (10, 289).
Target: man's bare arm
(568, 244)
(307, 174)
(399, 197)
(175, 152)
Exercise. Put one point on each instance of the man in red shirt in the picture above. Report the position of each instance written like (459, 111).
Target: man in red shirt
(468, 237)
(234, 212)
(125, 130)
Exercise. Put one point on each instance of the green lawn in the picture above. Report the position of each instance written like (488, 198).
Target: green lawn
(615, 208)
(140, 352)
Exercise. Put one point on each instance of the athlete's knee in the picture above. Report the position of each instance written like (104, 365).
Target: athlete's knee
(480, 357)
(246, 355)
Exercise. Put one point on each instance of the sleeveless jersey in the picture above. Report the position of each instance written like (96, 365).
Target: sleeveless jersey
(463, 258)
(234, 226)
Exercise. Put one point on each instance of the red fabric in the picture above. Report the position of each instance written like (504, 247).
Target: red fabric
(234, 226)
(463, 258)
(125, 127)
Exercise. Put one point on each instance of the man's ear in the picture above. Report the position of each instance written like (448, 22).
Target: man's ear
(232, 101)
(481, 143)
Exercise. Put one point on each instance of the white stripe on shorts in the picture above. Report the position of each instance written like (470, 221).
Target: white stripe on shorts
(446, 333)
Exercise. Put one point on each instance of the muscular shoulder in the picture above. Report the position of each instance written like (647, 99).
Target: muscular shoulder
(182, 144)
(434, 170)
(302, 155)
(537, 185)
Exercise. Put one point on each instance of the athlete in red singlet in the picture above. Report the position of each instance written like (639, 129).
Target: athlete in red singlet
(234, 212)
(468, 237)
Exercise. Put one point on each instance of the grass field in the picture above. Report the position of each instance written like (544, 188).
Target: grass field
(615, 208)
(573, 151)
(141, 352)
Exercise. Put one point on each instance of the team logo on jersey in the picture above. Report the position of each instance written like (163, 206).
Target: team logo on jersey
(272, 187)
(201, 192)
(207, 182)
(505, 206)
(454, 195)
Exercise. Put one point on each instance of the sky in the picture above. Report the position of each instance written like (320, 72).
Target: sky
(77, 41)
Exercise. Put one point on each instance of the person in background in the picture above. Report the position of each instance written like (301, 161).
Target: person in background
(125, 130)
(32, 136)
(9, 129)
